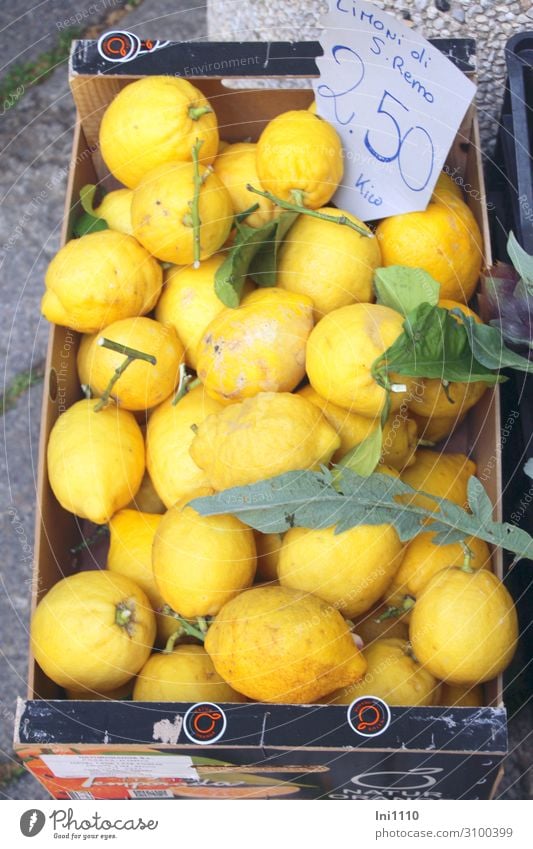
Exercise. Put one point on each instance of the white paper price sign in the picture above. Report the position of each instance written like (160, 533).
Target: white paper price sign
(396, 102)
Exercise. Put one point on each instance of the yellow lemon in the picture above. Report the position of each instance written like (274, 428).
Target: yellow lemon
(115, 209)
(423, 558)
(169, 435)
(275, 644)
(445, 186)
(156, 120)
(98, 279)
(271, 433)
(443, 475)
(370, 629)
(268, 548)
(464, 626)
(236, 168)
(400, 439)
(201, 562)
(299, 157)
(453, 695)
(93, 631)
(350, 570)
(259, 347)
(186, 674)
(351, 427)
(444, 240)
(331, 263)
(162, 215)
(393, 675)
(142, 384)
(189, 302)
(130, 554)
(121, 693)
(95, 460)
(435, 428)
(312, 107)
(340, 353)
(146, 499)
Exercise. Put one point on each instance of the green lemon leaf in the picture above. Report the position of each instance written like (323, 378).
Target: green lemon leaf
(308, 499)
(489, 349)
(230, 277)
(88, 224)
(263, 267)
(363, 458)
(433, 345)
(521, 260)
(404, 289)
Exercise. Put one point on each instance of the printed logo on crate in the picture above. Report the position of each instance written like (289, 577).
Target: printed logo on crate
(204, 723)
(122, 46)
(369, 716)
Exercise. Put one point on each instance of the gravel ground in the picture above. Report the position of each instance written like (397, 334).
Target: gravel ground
(35, 138)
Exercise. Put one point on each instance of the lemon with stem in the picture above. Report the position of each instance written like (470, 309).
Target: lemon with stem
(153, 121)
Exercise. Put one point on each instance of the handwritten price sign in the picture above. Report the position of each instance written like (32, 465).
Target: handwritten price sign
(396, 103)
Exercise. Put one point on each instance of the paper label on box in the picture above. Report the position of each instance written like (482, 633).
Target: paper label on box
(121, 766)
(397, 103)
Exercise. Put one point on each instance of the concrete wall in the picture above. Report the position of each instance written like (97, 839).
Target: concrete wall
(491, 23)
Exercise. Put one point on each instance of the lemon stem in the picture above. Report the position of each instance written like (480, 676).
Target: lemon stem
(131, 355)
(393, 612)
(172, 640)
(124, 617)
(197, 630)
(297, 207)
(468, 555)
(195, 203)
(87, 542)
(239, 218)
(196, 112)
(185, 384)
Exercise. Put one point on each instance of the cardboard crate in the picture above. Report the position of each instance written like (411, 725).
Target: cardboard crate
(82, 749)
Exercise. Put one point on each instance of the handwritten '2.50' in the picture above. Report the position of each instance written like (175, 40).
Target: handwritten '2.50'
(395, 123)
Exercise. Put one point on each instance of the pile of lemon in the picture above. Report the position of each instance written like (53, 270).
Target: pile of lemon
(185, 397)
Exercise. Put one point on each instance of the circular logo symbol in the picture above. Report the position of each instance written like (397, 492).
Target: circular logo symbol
(118, 45)
(204, 723)
(369, 716)
(32, 822)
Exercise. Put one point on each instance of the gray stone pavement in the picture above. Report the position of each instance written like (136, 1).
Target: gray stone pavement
(35, 139)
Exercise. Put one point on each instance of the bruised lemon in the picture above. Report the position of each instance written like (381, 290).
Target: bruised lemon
(185, 674)
(444, 240)
(162, 212)
(201, 562)
(93, 631)
(236, 166)
(156, 120)
(95, 460)
(442, 475)
(464, 626)
(131, 536)
(299, 157)
(189, 302)
(392, 674)
(259, 347)
(275, 644)
(331, 263)
(423, 558)
(271, 433)
(115, 209)
(98, 279)
(142, 384)
(170, 432)
(340, 353)
(350, 570)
